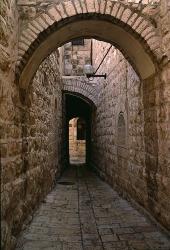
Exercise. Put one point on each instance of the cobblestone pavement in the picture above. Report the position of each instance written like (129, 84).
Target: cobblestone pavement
(87, 214)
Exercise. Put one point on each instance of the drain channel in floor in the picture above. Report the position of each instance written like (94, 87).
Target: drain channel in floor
(65, 183)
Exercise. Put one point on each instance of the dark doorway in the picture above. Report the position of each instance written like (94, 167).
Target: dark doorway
(75, 106)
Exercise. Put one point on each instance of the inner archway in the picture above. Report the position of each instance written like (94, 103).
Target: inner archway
(78, 114)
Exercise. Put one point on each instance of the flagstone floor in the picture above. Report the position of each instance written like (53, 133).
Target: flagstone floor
(84, 213)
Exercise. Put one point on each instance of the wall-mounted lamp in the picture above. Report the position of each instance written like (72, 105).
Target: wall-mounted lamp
(88, 68)
(89, 72)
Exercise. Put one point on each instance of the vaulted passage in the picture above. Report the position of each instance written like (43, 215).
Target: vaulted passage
(84, 121)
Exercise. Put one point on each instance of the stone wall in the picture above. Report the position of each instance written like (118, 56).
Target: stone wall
(163, 118)
(10, 126)
(162, 89)
(122, 142)
(31, 121)
(128, 151)
(139, 165)
(75, 57)
(43, 132)
(30, 147)
(28, 10)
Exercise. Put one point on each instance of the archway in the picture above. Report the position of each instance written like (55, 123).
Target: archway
(78, 109)
(109, 21)
(124, 27)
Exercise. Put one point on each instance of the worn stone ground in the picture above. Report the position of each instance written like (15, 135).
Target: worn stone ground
(89, 215)
(77, 160)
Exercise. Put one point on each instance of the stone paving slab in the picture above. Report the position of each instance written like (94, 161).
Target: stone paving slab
(89, 215)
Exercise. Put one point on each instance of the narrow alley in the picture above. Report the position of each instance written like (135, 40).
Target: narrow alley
(83, 212)
(85, 124)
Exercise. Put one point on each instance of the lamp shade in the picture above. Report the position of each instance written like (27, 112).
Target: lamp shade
(88, 69)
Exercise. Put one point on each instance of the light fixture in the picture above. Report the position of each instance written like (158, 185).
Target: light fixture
(88, 68)
(89, 72)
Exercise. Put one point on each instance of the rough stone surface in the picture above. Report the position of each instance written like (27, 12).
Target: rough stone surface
(143, 16)
(30, 146)
(10, 130)
(75, 57)
(131, 134)
(133, 158)
(82, 86)
(89, 215)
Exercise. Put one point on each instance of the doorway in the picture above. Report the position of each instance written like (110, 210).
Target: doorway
(77, 141)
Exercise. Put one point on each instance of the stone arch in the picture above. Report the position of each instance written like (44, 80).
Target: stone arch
(81, 88)
(107, 20)
(81, 96)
